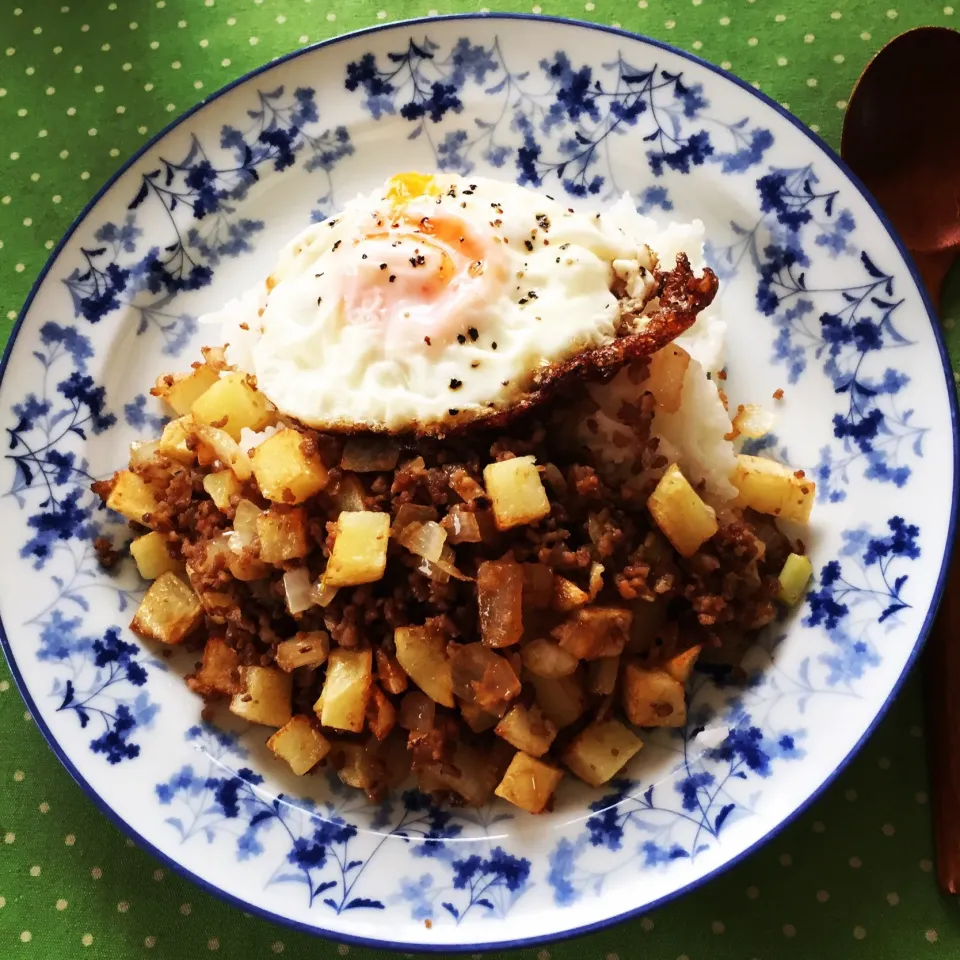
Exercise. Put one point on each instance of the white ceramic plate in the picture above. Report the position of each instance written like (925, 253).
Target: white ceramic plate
(820, 301)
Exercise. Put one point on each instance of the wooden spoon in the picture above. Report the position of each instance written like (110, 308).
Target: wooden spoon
(901, 138)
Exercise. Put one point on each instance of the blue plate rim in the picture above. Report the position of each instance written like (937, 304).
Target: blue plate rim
(251, 908)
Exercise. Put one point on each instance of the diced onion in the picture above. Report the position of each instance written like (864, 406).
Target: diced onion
(461, 525)
(411, 513)
(141, 453)
(424, 539)
(417, 711)
(226, 449)
(251, 439)
(216, 358)
(596, 579)
(297, 587)
(483, 677)
(244, 525)
(349, 494)
(443, 569)
(321, 594)
(754, 421)
(544, 658)
(370, 454)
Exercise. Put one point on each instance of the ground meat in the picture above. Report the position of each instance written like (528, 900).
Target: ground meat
(107, 556)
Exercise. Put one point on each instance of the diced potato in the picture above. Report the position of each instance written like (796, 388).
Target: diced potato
(600, 751)
(169, 611)
(652, 698)
(220, 671)
(152, 556)
(500, 601)
(422, 652)
(390, 673)
(544, 658)
(217, 605)
(265, 697)
(602, 675)
(668, 368)
(529, 783)
(173, 440)
(679, 512)
(357, 765)
(381, 713)
(283, 534)
(794, 577)
(285, 472)
(307, 649)
(346, 689)
(594, 632)
(232, 397)
(516, 492)
(476, 718)
(567, 595)
(527, 729)
(184, 389)
(360, 550)
(132, 498)
(681, 666)
(560, 700)
(300, 744)
(222, 487)
(537, 586)
(769, 487)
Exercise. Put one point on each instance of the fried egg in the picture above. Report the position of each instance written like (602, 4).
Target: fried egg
(438, 301)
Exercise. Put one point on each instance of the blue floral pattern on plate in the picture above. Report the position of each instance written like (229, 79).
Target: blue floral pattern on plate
(814, 284)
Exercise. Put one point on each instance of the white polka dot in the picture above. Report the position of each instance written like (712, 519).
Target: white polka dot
(859, 933)
(281, 18)
(725, 64)
(697, 44)
(893, 899)
(35, 870)
(96, 873)
(61, 904)
(87, 939)
(225, 62)
(752, 893)
(752, 42)
(19, 268)
(148, 87)
(304, 38)
(926, 866)
(855, 862)
(647, 924)
(543, 955)
(11, 51)
(782, 61)
(253, 41)
(181, 23)
(48, 244)
(185, 909)
(382, 14)
(948, 11)
(213, 943)
(812, 82)
(85, 28)
(92, 132)
(931, 936)
(123, 906)
(204, 42)
(836, 15)
(780, 18)
(892, 14)
(98, 88)
(141, 129)
(71, 111)
(642, 4)
(58, 50)
(25, 936)
(717, 926)
(170, 108)
(841, 104)
(149, 942)
(589, 7)
(231, 21)
(343, 949)
(105, 47)
(69, 839)
(789, 930)
(822, 896)
(331, 16)
(815, 127)
(133, 24)
(22, 112)
(17, 11)
(724, 21)
(867, 36)
(175, 65)
(45, 807)
(888, 830)
(277, 946)
(670, 24)
(158, 875)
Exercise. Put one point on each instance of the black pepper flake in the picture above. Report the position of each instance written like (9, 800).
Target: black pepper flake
(547, 195)
(425, 223)
(383, 266)
(417, 261)
(453, 411)
(452, 192)
(392, 277)
(455, 384)
(332, 223)
(466, 193)
(318, 275)
(363, 256)
(558, 259)
(463, 204)
(569, 209)
(522, 301)
(475, 364)
(461, 338)
(528, 244)
(473, 333)
(504, 383)
(543, 221)
(493, 346)
(426, 340)
(532, 294)
(337, 244)
(563, 246)
(319, 301)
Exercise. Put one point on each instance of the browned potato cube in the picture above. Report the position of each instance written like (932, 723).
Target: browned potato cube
(182, 390)
(684, 518)
(222, 487)
(600, 751)
(360, 550)
(529, 783)
(300, 743)
(652, 698)
(527, 729)
(381, 713)
(422, 652)
(169, 611)
(500, 601)
(390, 673)
(544, 658)
(283, 534)
(265, 696)
(152, 556)
(217, 605)
(594, 632)
(668, 368)
(308, 649)
(475, 717)
(560, 700)
(346, 689)
(681, 666)
(769, 487)
(357, 765)
(537, 586)
(220, 671)
(173, 440)
(516, 492)
(567, 595)
(286, 472)
(132, 498)
(234, 400)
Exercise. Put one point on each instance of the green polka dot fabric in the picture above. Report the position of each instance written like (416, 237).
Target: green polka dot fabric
(82, 86)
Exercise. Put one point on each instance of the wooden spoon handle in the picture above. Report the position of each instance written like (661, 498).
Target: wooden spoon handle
(942, 669)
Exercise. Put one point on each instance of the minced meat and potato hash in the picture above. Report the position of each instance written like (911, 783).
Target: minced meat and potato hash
(486, 610)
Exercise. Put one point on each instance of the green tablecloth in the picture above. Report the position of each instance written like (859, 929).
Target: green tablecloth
(83, 85)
